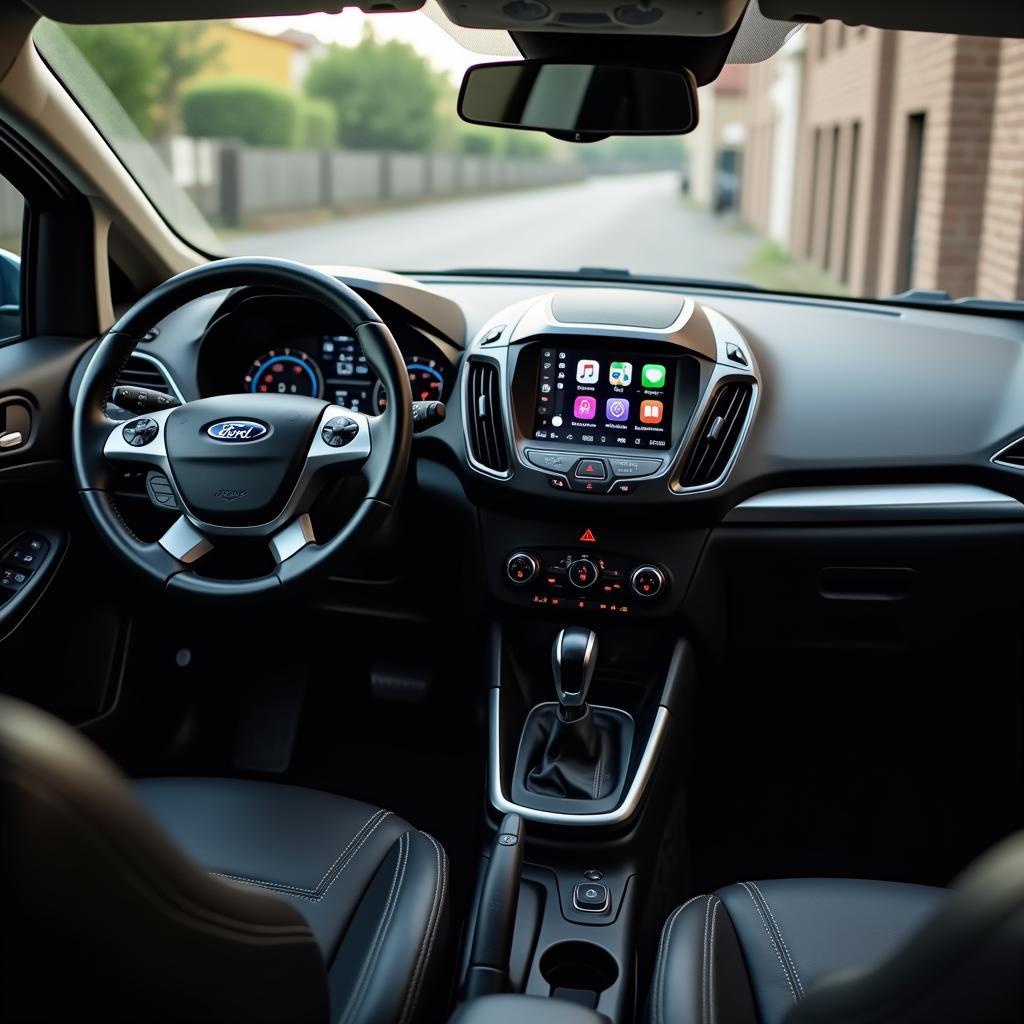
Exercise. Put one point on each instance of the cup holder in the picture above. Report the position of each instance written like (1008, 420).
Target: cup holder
(578, 971)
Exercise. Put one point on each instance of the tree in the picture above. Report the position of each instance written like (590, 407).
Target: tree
(385, 93)
(145, 65)
(248, 109)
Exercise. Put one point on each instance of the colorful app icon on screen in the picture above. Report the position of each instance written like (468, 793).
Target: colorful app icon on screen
(620, 374)
(651, 411)
(617, 410)
(585, 407)
(588, 371)
(653, 375)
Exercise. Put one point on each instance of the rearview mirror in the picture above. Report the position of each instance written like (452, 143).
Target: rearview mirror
(580, 102)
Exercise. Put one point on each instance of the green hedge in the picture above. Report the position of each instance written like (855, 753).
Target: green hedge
(317, 126)
(241, 108)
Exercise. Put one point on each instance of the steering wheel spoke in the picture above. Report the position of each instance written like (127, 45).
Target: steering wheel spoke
(185, 543)
(291, 539)
(342, 438)
(139, 440)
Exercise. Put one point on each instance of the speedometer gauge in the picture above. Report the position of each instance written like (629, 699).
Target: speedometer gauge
(426, 379)
(286, 371)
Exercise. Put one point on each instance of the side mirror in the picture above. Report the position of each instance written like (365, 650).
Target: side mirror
(580, 102)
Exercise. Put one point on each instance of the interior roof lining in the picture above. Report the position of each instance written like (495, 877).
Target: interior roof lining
(758, 38)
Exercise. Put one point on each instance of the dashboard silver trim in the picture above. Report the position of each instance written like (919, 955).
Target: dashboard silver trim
(504, 413)
(997, 461)
(624, 812)
(876, 503)
(698, 330)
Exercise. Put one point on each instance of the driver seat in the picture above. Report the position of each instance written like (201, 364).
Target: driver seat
(203, 899)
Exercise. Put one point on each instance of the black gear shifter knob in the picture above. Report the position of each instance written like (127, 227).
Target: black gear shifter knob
(573, 659)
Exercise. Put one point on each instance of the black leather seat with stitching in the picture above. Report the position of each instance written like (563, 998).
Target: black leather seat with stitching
(204, 899)
(842, 950)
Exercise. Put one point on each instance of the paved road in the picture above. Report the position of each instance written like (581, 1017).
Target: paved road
(637, 222)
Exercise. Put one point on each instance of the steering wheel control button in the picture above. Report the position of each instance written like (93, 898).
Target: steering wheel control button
(591, 469)
(583, 573)
(521, 568)
(339, 431)
(647, 581)
(140, 432)
(553, 462)
(633, 467)
(591, 897)
(160, 492)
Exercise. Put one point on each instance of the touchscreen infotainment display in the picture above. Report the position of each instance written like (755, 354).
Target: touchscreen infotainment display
(604, 397)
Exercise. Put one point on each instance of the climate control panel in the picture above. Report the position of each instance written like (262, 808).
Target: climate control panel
(584, 580)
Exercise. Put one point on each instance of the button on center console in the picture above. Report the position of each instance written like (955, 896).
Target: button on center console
(583, 574)
(591, 897)
(604, 474)
(591, 469)
(521, 568)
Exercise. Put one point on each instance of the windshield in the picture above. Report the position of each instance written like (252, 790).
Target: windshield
(833, 167)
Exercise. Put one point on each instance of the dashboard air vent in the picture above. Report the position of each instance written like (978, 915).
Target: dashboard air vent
(139, 372)
(1012, 455)
(718, 434)
(483, 417)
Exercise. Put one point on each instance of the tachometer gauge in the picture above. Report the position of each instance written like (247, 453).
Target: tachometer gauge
(426, 379)
(286, 371)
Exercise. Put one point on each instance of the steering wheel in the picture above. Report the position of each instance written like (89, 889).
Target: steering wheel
(247, 465)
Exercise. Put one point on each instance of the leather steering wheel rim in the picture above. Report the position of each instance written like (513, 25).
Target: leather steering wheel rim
(389, 435)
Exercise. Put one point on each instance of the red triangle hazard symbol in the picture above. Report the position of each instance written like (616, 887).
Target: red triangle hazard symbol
(588, 537)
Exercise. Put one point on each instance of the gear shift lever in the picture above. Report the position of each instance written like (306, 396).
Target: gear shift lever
(573, 660)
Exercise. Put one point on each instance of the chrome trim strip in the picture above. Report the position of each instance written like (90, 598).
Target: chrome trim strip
(503, 410)
(876, 502)
(996, 460)
(626, 809)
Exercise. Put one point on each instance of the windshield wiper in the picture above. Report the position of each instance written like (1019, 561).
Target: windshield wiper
(595, 274)
(937, 299)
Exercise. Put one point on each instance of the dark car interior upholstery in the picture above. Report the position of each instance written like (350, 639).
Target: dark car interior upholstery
(227, 900)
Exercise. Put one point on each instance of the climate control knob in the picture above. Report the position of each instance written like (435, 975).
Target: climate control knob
(647, 581)
(521, 568)
(583, 573)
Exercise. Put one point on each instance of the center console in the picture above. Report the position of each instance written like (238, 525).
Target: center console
(591, 420)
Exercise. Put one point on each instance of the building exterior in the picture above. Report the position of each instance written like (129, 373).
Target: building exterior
(891, 160)
(281, 60)
(714, 149)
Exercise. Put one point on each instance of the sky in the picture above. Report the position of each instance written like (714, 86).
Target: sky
(443, 52)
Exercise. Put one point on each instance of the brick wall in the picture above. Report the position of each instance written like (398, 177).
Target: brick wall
(1001, 264)
(950, 80)
(847, 78)
(873, 208)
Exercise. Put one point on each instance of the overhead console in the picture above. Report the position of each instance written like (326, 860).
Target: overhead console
(609, 393)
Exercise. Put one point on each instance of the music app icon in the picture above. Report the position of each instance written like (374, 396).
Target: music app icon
(587, 371)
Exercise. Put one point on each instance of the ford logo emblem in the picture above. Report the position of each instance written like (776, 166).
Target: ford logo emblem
(236, 431)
